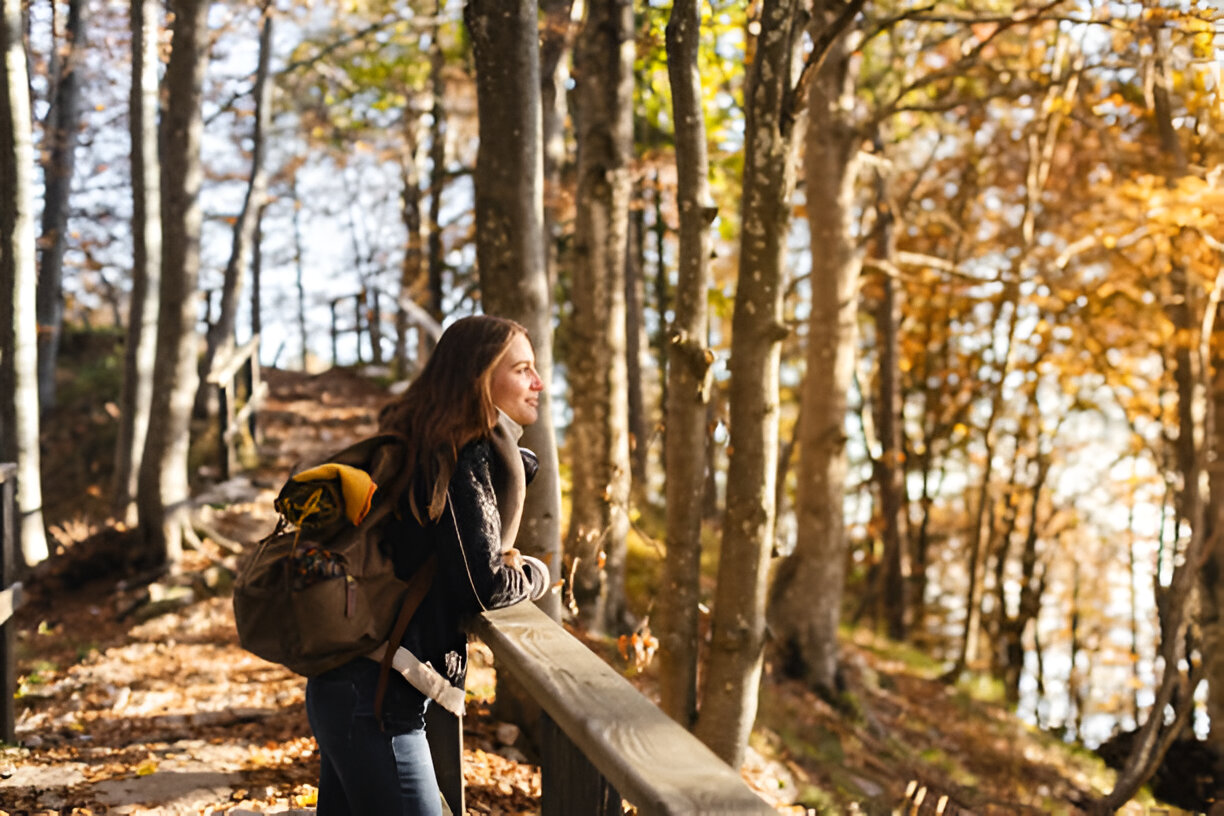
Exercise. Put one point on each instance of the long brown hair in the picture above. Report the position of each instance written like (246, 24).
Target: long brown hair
(450, 403)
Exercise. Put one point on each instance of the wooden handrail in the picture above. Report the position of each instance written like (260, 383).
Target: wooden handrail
(224, 369)
(229, 417)
(636, 749)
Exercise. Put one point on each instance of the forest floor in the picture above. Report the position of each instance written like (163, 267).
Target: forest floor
(135, 697)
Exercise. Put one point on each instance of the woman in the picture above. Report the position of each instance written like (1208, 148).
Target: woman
(462, 418)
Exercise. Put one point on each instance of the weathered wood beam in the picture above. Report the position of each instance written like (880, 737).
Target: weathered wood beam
(10, 599)
(647, 757)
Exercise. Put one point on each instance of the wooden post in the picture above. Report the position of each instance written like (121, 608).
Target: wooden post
(374, 328)
(8, 628)
(254, 382)
(335, 330)
(445, 734)
(358, 308)
(570, 783)
(225, 421)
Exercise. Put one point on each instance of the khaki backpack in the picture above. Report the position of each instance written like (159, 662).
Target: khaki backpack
(320, 591)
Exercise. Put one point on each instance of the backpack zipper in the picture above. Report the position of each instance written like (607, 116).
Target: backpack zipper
(350, 604)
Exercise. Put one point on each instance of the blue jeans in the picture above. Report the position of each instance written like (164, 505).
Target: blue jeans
(366, 769)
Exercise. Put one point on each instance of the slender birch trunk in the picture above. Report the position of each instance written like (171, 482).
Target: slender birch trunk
(137, 393)
(18, 330)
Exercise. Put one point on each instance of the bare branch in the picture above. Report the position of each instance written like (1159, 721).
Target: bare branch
(959, 67)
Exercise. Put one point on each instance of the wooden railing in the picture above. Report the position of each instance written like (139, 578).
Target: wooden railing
(10, 599)
(239, 366)
(602, 740)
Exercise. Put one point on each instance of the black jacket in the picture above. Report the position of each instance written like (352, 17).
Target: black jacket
(471, 575)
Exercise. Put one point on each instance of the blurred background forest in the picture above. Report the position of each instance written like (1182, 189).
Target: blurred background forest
(856, 313)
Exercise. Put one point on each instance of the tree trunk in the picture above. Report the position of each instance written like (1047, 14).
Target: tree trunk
(556, 42)
(983, 520)
(413, 270)
(891, 469)
(221, 334)
(599, 522)
(163, 488)
(1075, 677)
(299, 283)
(1032, 588)
(257, 277)
(60, 150)
(18, 329)
(141, 345)
(807, 594)
(510, 233)
(730, 686)
(636, 347)
(688, 373)
(1201, 563)
(662, 283)
(437, 170)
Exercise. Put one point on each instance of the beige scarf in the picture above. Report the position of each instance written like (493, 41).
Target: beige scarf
(510, 481)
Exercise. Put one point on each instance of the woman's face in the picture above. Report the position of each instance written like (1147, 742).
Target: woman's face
(515, 385)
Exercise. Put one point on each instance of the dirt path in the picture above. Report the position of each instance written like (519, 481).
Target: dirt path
(122, 711)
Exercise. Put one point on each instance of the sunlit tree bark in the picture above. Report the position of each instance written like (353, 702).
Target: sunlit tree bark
(556, 45)
(510, 232)
(731, 682)
(805, 606)
(603, 55)
(19, 425)
(62, 125)
(688, 372)
(163, 489)
(141, 345)
(221, 334)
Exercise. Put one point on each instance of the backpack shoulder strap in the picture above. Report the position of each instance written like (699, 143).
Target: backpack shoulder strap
(422, 579)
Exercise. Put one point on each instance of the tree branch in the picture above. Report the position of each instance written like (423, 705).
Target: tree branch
(820, 50)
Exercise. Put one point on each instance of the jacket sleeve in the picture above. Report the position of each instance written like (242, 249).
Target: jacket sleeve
(477, 523)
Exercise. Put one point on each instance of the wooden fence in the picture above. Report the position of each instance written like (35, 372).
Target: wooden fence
(10, 599)
(239, 368)
(602, 740)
